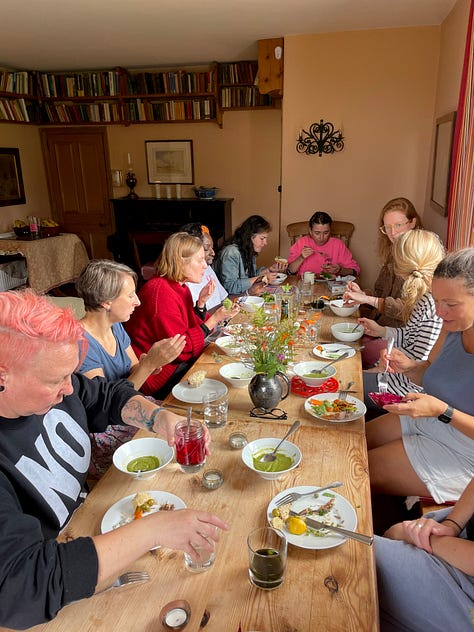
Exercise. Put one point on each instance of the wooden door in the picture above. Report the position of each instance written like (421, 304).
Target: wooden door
(77, 169)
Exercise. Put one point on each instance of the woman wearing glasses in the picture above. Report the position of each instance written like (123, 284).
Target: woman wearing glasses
(398, 216)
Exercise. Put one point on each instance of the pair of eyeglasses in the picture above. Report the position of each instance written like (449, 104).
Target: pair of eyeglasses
(392, 227)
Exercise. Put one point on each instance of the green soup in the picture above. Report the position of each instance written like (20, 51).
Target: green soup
(282, 462)
(320, 374)
(143, 464)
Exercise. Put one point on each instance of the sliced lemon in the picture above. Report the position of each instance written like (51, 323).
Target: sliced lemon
(295, 525)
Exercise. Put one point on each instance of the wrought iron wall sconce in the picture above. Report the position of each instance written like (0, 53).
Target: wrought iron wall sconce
(321, 139)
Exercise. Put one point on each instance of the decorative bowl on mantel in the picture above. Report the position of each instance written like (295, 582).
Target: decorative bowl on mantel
(205, 193)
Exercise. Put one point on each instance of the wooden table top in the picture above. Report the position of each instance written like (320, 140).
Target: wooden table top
(303, 603)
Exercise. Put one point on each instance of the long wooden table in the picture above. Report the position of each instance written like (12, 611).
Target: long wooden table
(303, 603)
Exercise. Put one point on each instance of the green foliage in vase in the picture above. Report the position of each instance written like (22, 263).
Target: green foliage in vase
(268, 346)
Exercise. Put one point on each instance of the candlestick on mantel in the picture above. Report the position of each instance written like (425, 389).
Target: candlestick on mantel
(178, 190)
(129, 160)
(168, 192)
(157, 191)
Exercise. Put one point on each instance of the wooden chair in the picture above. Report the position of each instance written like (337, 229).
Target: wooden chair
(147, 245)
(342, 230)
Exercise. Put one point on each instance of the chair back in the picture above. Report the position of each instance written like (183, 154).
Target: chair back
(147, 246)
(339, 229)
(75, 302)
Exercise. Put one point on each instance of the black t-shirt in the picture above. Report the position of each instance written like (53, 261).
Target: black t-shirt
(44, 461)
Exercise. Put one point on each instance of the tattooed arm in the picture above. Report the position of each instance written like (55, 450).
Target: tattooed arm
(145, 414)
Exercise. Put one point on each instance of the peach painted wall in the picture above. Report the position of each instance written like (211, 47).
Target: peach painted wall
(26, 139)
(242, 159)
(379, 87)
(453, 42)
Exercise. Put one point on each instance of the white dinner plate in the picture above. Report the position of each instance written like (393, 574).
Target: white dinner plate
(327, 352)
(193, 395)
(342, 512)
(361, 409)
(122, 511)
(280, 277)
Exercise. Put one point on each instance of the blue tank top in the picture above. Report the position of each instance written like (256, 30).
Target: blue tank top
(450, 377)
(114, 367)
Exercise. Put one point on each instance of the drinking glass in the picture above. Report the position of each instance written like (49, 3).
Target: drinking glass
(215, 409)
(190, 445)
(267, 557)
(204, 562)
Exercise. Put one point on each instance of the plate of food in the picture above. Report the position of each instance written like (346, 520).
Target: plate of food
(333, 350)
(329, 407)
(324, 276)
(328, 507)
(138, 505)
(193, 394)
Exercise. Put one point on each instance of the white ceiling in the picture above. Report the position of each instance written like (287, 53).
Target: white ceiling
(90, 34)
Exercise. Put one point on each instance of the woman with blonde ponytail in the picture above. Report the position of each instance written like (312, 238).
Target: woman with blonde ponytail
(415, 255)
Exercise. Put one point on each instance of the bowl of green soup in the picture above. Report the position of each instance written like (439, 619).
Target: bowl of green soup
(312, 372)
(288, 457)
(142, 458)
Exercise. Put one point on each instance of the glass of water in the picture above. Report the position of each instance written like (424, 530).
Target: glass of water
(215, 409)
(204, 560)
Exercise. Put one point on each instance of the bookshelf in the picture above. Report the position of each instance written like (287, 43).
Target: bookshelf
(124, 97)
(18, 103)
(238, 89)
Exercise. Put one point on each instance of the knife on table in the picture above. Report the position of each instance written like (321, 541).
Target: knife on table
(315, 524)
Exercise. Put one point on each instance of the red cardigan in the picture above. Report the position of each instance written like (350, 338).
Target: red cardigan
(166, 309)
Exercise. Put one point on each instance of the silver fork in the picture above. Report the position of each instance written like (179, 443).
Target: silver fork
(132, 577)
(345, 391)
(292, 496)
(382, 378)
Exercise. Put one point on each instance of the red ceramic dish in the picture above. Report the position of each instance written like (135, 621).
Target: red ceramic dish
(383, 399)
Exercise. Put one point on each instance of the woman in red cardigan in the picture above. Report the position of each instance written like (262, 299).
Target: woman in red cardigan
(167, 309)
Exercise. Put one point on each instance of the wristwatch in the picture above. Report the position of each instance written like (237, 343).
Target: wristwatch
(447, 416)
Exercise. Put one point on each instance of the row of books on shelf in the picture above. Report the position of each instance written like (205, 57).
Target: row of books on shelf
(17, 110)
(242, 97)
(87, 84)
(18, 82)
(82, 113)
(179, 82)
(238, 72)
(191, 110)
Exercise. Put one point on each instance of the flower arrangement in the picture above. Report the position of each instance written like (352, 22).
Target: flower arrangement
(268, 346)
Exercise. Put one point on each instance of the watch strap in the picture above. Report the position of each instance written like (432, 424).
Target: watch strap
(447, 416)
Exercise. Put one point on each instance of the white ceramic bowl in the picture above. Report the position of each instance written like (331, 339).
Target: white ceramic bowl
(338, 307)
(237, 374)
(142, 447)
(229, 345)
(345, 332)
(303, 368)
(280, 278)
(260, 446)
(252, 303)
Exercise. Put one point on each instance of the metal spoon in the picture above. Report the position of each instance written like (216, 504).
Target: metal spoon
(341, 357)
(271, 456)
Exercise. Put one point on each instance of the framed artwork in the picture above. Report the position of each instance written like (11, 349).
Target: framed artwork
(170, 161)
(442, 162)
(11, 181)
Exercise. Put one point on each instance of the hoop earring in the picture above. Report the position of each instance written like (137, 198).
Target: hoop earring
(2, 388)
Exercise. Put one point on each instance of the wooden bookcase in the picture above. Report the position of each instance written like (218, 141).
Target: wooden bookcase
(18, 102)
(238, 89)
(197, 94)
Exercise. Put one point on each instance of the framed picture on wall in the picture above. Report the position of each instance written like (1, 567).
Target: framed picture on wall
(170, 161)
(11, 180)
(442, 162)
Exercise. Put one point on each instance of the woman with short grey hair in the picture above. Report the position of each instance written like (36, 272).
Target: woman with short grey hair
(108, 289)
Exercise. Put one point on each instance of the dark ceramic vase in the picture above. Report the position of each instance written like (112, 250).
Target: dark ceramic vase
(267, 392)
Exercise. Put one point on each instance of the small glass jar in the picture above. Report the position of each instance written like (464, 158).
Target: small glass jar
(190, 445)
(212, 479)
(237, 440)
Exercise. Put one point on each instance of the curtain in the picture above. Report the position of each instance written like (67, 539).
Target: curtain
(461, 198)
